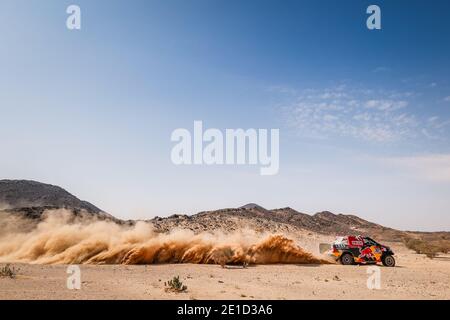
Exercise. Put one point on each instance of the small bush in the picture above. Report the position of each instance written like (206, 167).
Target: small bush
(428, 248)
(444, 246)
(8, 271)
(175, 285)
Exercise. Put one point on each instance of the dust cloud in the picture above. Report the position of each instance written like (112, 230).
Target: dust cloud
(62, 239)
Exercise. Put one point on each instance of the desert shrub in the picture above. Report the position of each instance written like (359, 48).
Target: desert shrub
(444, 246)
(8, 272)
(431, 251)
(427, 248)
(175, 285)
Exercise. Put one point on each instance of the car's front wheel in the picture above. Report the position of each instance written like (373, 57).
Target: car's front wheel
(388, 261)
(347, 259)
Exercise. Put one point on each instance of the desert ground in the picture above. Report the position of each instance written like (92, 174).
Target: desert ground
(414, 277)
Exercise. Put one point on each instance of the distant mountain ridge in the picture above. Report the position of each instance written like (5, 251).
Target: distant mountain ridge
(15, 194)
(256, 217)
(271, 220)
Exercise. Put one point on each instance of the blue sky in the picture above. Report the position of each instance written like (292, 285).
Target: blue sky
(364, 116)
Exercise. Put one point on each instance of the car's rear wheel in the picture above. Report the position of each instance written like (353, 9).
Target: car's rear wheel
(347, 259)
(388, 261)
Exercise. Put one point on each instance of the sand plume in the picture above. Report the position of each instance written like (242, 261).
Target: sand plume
(61, 239)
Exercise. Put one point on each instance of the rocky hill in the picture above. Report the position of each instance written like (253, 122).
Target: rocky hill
(25, 193)
(255, 217)
(31, 199)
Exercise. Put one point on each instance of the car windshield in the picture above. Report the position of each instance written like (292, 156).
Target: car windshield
(370, 241)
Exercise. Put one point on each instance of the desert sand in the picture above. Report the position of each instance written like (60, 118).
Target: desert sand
(414, 277)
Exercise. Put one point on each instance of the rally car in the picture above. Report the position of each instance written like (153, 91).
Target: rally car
(361, 250)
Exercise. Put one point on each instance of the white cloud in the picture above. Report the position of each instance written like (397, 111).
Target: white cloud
(381, 69)
(435, 167)
(436, 123)
(346, 113)
(386, 105)
(360, 114)
(427, 134)
(447, 99)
